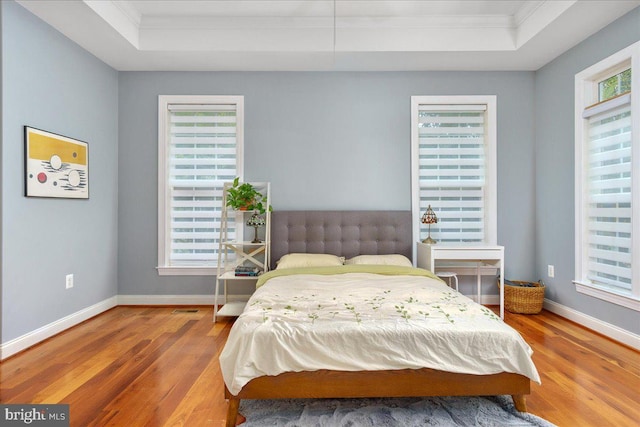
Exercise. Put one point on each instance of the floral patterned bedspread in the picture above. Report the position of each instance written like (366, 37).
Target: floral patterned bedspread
(356, 318)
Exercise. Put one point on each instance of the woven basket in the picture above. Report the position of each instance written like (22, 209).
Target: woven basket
(523, 299)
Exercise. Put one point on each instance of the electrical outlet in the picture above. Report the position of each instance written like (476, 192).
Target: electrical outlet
(551, 271)
(69, 281)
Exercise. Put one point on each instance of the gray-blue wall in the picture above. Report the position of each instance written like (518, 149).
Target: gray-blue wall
(554, 183)
(324, 141)
(51, 83)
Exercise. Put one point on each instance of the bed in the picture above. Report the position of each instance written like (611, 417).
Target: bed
(360, 330)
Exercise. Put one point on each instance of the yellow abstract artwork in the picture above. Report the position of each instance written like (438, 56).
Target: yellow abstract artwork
(55, 165)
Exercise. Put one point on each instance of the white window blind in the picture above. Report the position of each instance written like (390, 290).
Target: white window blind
(607, 179)
(202, 156)
(200, 148)
(452, 170)
(608, 194)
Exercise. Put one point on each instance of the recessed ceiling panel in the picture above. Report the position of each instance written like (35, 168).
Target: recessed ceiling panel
(327, 34)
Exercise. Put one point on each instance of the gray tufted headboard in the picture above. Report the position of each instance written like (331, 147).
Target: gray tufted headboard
(342, 233)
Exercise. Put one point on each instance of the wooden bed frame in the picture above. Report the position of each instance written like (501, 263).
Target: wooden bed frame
(351, 233)
(400, 383)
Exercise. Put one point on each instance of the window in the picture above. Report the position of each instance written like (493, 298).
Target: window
(454, 167)
(200, 148)
(615, 85)
(607, 180)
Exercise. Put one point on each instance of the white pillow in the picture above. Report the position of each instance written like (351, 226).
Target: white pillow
(309, 260)
(394, 259)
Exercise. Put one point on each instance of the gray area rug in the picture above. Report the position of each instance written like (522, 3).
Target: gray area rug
(405, 412)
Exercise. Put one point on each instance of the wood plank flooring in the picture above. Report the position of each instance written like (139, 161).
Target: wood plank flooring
(148, 366)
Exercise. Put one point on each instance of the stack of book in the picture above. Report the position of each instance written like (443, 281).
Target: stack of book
(243, 270)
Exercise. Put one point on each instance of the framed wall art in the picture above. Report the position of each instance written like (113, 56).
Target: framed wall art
(55, 165)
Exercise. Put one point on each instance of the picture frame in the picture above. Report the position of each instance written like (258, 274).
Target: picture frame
(56, 166)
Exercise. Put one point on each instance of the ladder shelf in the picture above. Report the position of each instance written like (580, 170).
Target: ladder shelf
(234, 251)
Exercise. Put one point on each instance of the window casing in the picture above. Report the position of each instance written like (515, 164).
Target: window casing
(453, 146)
(607, 181)
(200, 147)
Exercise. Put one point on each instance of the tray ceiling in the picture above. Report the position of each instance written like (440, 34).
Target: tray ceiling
(323, 35)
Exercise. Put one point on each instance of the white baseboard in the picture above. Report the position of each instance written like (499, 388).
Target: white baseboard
(614, 332)
(487, 299)
(168, 300)
(47, 331)
(209, 299)
(176, 299)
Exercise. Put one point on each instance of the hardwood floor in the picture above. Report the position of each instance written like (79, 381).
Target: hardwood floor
(148, 366)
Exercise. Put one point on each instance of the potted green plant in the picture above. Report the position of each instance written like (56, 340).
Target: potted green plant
(244, 196)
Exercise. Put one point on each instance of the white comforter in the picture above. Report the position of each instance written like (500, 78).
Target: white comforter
(364, 321)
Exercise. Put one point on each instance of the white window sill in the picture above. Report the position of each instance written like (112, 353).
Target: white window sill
(186, 271)
(608, 295)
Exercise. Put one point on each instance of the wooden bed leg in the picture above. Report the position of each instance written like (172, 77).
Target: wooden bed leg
(520, 402)
(232, 412)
